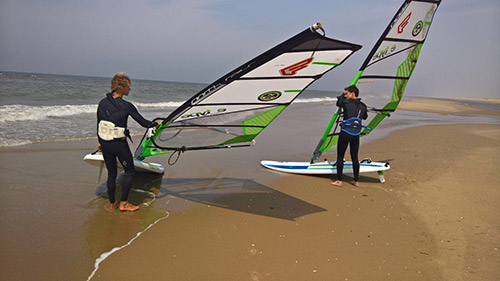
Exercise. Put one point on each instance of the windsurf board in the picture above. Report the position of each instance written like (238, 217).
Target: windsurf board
(96, 159)
(325, 168)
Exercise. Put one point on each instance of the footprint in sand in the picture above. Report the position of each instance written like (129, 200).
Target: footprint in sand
(255, 275)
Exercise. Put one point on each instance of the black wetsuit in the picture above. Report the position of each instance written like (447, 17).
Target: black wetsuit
(117, 111)
(351, 108)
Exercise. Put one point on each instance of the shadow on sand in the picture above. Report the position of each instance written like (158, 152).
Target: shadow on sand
(243, 195)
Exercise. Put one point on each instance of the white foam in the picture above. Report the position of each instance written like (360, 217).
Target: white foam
(158, 104)
(116, 249)
(147, 192)
(18, 112)
(10, 142)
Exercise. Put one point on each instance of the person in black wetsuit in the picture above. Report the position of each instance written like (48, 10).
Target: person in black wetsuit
(352, 107)
(112, 116)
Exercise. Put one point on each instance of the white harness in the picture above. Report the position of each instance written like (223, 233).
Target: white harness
(109, 131)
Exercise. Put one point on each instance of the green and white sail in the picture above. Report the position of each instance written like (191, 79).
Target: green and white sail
(233, 110)
(389, 65)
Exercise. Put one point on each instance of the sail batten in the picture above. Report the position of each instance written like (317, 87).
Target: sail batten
(383, 77)
(402, 40)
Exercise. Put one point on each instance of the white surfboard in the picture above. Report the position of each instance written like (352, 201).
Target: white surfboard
(325, 168)
(97, 159)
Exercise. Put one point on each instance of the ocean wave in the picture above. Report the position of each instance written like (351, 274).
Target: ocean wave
(158, 104)
(18, 112)
(13, 142)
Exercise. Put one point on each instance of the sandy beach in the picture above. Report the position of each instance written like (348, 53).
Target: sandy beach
(448, 106)
(218, 215)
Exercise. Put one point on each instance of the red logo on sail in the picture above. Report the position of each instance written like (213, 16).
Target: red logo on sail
(293, 69)
(404, 23)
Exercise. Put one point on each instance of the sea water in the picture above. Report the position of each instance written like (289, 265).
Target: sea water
(48, 107)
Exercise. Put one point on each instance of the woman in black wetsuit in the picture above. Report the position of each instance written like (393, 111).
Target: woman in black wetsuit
(112, 115)
(352, 107)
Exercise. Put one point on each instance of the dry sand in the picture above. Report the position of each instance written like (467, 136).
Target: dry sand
(447, 106)
(219, 216)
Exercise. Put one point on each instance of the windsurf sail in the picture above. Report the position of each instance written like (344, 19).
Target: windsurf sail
(389, 65)
(233, 110)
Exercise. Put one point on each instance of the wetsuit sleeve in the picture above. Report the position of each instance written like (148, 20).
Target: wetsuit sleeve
(340, 100)
(138, 117)
(101, 112)
(99, 116)
(364, 112)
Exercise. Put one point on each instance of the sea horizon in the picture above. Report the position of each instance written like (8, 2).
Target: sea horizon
(41, 107)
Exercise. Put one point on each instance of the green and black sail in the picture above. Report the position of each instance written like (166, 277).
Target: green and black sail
(389, 65)
(233, 110)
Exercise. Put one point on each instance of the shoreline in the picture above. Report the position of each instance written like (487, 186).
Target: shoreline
(434, 219)
(441, 106)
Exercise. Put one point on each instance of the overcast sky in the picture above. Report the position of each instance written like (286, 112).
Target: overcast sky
(201, 40)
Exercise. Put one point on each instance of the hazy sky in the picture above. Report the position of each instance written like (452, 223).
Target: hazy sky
(201, 40)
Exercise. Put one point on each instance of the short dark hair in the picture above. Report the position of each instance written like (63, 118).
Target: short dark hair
(351, 89)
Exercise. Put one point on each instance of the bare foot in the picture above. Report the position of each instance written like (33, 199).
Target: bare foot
(113, 206)
(337, 183)
(355, 183)
(127, 207)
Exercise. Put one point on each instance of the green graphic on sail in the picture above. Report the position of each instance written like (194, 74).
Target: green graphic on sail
(389, 65)
(233, 110)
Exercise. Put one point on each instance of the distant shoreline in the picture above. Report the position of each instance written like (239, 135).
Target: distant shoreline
(405, 97)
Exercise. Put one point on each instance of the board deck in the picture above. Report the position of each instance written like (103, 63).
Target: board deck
(97, 159)
(325, 168)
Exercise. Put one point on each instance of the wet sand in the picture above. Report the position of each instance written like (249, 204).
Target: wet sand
(220, 216)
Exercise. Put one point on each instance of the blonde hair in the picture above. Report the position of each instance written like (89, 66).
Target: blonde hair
(120, 80)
